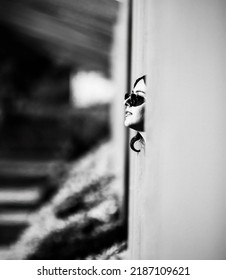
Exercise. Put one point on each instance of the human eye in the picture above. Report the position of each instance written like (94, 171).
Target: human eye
(140, 97)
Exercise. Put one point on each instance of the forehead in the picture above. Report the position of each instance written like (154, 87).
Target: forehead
(140, 86)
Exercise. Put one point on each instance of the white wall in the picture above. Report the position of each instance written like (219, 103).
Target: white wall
(185, 190)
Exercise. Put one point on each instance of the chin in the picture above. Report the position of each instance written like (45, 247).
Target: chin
(127, 123)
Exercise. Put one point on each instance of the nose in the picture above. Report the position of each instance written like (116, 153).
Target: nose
(127, 102)
(131, 100)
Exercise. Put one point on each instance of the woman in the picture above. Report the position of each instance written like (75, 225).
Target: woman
(134, 111)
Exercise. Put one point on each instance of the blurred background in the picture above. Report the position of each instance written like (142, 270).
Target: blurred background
(55, 95)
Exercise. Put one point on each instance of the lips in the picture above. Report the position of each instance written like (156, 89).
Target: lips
(127, 113)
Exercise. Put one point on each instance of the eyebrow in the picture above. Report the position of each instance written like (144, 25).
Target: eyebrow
(139, 91)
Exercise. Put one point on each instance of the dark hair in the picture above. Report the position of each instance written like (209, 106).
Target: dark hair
(139, 79)
(138, 136)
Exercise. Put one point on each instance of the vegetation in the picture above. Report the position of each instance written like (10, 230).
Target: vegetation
(83, 220)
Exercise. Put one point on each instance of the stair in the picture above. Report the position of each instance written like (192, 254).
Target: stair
(32, 152)
(18, 197)
(24, 186)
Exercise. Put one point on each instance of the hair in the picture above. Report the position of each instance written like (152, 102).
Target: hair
(139, 79)
(138, 136)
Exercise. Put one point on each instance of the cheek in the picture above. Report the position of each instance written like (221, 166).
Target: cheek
(142, 111)
(137, 117)
(139, 114)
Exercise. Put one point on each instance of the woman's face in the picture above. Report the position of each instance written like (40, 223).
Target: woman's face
(134, 107)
